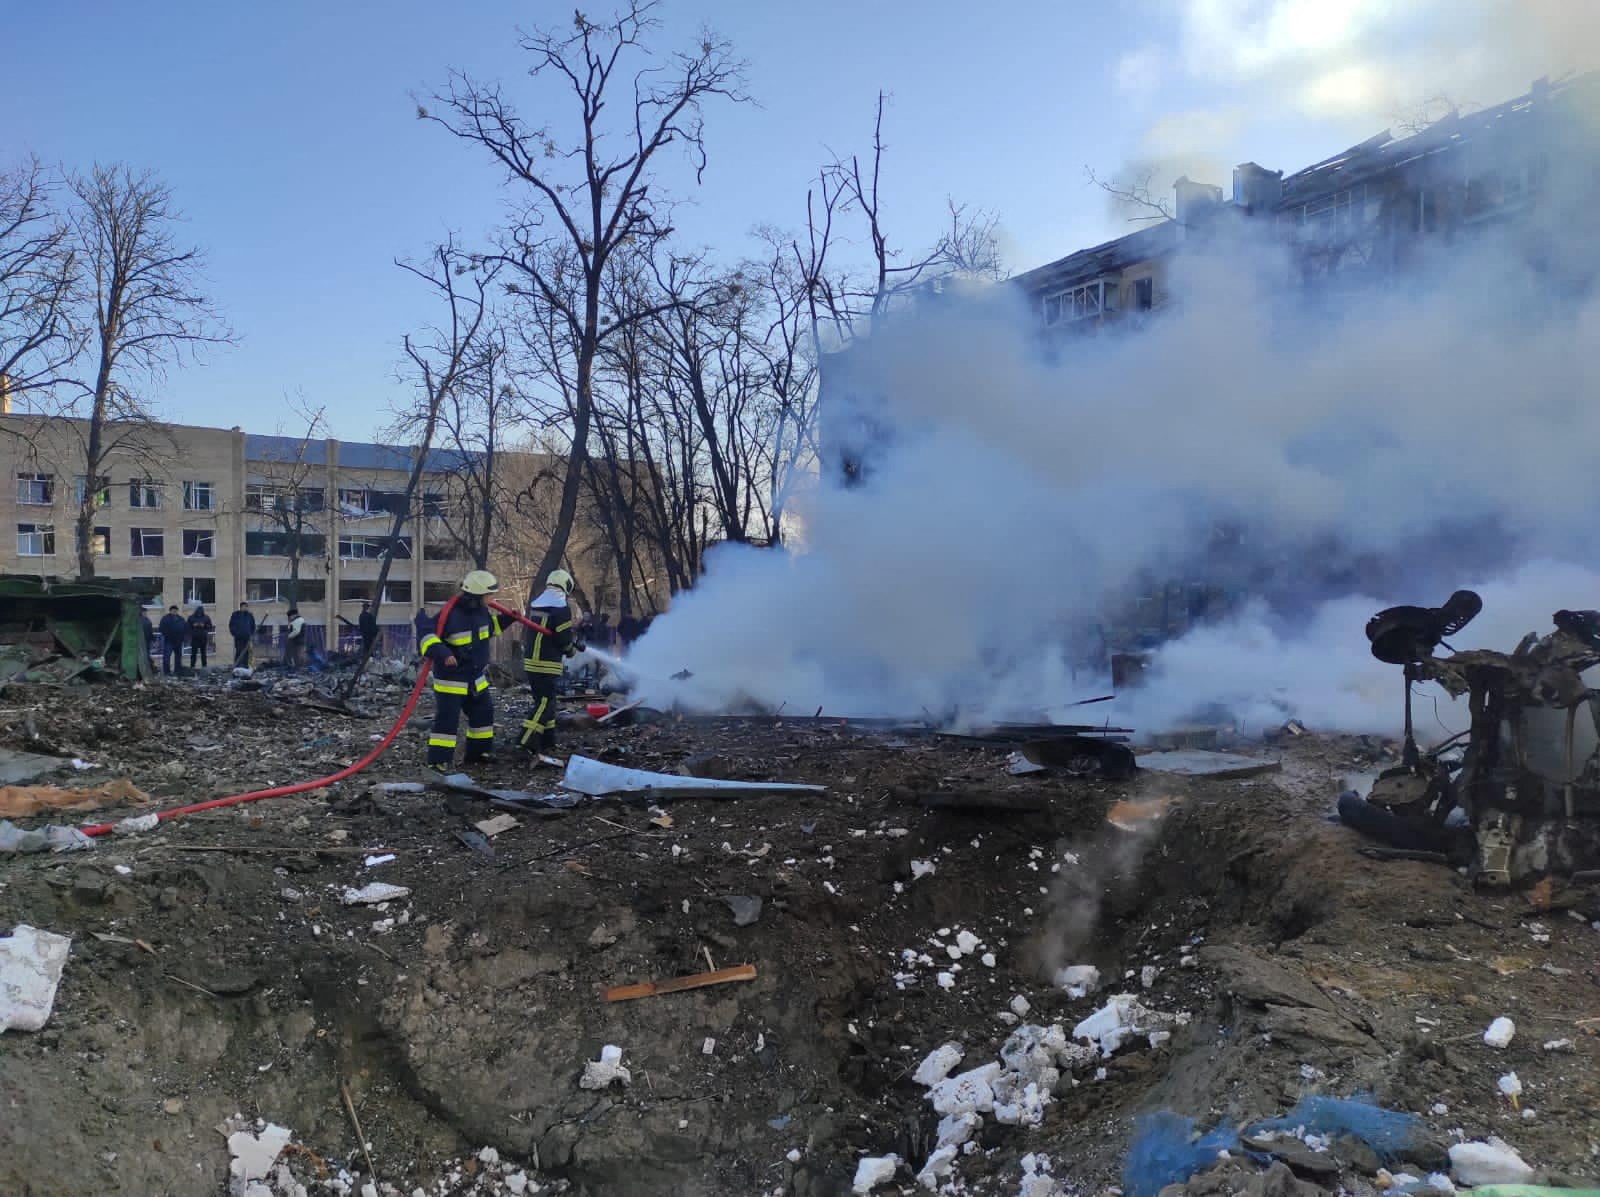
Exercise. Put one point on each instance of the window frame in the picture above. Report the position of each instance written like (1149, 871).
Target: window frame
(210, 536)
(142, 489)
(137, 546)
(192, 489)
(47, 539)
(47, 483)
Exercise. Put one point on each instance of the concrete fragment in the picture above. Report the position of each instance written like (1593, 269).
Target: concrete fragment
(938, 1063)
(373, 893)
(1495, 1162)
(967, 1092)
(254, 1155)
(940, 1164)
(31, 962)
(601, 1073)
(874, 1170)
(1079, 980)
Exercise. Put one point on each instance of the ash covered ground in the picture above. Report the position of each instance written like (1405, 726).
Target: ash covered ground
(217, 982)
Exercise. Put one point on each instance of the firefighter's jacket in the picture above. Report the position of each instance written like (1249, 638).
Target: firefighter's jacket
(543, 651)
(467, 631)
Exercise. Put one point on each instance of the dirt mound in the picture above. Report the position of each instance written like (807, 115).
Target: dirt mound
(216, 969)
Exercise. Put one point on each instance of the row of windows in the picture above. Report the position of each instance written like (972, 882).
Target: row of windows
(39, 540)
(39, 490)
(1089, 300)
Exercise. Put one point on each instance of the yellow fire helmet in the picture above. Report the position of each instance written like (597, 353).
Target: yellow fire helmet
(480, 581)
(561, 578)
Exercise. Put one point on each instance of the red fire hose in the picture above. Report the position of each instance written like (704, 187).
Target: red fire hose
(378, 749)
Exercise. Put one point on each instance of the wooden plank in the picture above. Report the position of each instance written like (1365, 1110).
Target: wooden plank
(721, 976)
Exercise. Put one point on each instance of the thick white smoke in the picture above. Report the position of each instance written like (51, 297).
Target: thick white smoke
(1438, 430)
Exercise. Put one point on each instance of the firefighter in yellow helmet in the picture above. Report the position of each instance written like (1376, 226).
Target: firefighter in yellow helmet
(544, 658)
(459, 652)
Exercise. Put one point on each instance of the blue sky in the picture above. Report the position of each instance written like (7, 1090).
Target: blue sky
(289, 134)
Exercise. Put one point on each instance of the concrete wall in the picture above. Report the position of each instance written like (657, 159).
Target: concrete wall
(228, 461)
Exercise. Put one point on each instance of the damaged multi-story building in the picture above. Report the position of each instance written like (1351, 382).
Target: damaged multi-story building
(217, 516)
(1385, 205)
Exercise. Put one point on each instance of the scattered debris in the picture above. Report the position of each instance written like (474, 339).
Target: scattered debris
(746, 909)
(499, 823)
(22, 801)
(873, 1171)
(1123, 1017)
(1137, 814)
(1079, 980)
(1218, 766)
(607, 1070)
(253, 1155)
(55, 838)
(31, 962)
(1500, 1033)
(20, 768)
(373, 862)
(1495, 1162)
(374, 893)
(600, 780)
(721, 976)
(921, 869)
(938, 1063)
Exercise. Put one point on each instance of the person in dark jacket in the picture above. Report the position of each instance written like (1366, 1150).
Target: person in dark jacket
(544, 659)
(174, 631)
(200, 628)
(367, 625)
(424, 623)
(242, 627)
(459, 658)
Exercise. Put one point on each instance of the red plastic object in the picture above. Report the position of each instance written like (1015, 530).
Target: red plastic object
(598, 710)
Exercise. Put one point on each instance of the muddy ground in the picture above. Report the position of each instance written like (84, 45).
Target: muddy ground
(461, 1017)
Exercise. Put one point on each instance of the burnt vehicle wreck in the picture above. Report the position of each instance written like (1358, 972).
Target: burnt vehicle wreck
(1527, 780)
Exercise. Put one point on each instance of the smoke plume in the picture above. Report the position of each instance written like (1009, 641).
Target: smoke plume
(1437, 428)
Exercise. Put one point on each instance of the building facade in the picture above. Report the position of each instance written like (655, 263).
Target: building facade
(1382, 206)
(218, 516)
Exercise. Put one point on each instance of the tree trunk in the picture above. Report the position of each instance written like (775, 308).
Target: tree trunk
(577, 460)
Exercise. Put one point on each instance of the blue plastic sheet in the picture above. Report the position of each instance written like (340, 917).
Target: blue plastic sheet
(1387, 1132)
(1167, 1148)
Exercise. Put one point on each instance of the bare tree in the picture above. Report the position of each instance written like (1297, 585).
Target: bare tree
(145, 312)
(1135, 194)
(587, 195)
(476, 421)
(288, 499)
(37, 270)
(439, 361)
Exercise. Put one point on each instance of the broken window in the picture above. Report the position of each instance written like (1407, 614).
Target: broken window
(442, 550)
(391, 502)
(277, 544)
(1144, 294)
(36, 490)
(353, 590)
(261, 590)
(199, 590)
(438, 592)
(36, 540)
(146, 542)
(99, 541)
(199, 542)
(353, 501)
(372, 548)
(146, 585)
(199, 496)
(433, 503)
(144, 493)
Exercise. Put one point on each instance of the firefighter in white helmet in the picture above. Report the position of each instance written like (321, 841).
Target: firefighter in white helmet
(459, 652)
(544, 658)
